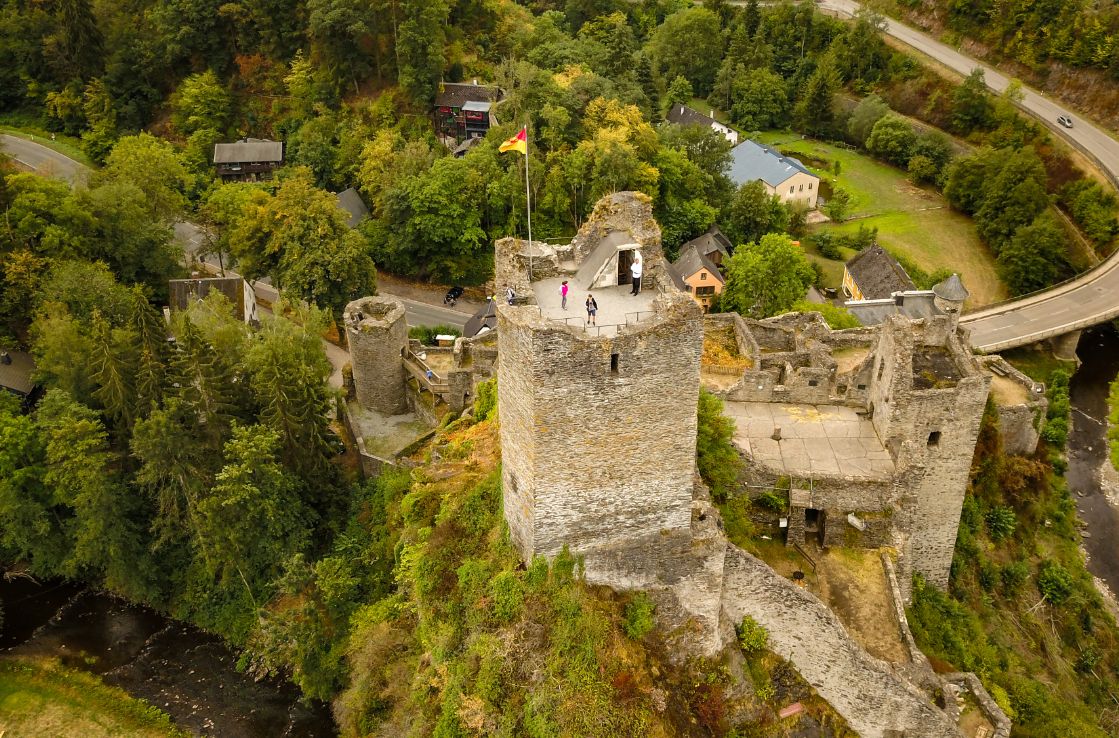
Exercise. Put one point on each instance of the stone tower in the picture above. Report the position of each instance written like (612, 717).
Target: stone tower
(949, 297)
(926, 402)
(598, 423)
(377, 332)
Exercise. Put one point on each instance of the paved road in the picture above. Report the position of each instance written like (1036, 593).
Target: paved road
(42, 159)
(1090, 299)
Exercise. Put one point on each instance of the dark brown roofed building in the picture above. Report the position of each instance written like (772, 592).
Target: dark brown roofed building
(16, 370)
(712, 244)
(248, 160)
(465, 110)
(682, 115)
(872, 274)
(184, 292)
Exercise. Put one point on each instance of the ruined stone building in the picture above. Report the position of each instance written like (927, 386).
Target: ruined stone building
(869, 432)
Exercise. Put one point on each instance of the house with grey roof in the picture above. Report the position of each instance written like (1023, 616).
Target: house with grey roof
(712, 244)
(248, 160)
(782, 175)
(945, 298)
(682, 115)
(350, 202)
(873, 274)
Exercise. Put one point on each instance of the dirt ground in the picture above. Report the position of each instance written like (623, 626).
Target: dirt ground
(853, 584)
(1006, 391)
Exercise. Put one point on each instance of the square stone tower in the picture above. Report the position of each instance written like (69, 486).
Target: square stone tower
(926, 402)
(598, 423)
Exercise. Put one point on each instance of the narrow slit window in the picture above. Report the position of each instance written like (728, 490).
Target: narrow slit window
(614, 363)
(934, 439)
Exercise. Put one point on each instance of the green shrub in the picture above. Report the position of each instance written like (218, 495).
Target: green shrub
(752, 637)
(485, 403)
(639, 616)
(716, 458)
(1001, 522)
(1013, 576)
(1054, 582)
(426, 334)
(988, 575)
(1055, 432)
(507, 595)
(770, 500)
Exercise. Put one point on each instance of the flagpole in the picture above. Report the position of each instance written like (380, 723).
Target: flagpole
(528, 206)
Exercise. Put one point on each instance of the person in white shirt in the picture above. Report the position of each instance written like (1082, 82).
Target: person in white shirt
(635, 272)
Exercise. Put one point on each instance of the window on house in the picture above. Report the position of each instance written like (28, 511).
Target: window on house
(810, 185)
(704, 291)
(614, 363)
(801, 189)
(934, 439)
(792, 188)
(703, 275)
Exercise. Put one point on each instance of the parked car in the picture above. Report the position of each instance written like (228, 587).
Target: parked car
(453, 295)
(1065, 121)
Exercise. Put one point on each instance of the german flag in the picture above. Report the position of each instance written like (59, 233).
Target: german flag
(517, 143)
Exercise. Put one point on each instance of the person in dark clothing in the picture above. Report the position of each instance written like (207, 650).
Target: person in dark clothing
(592, 309)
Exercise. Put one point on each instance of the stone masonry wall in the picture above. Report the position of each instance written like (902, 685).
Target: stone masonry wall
(875, 701)
(377, 339)
(594, 456)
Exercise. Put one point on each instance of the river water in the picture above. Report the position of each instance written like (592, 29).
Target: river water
(188, 674)
(1088, 450)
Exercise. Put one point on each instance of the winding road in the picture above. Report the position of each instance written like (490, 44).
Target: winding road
(1089, 299)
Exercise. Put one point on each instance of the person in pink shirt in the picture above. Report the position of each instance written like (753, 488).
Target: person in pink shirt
(563, 293)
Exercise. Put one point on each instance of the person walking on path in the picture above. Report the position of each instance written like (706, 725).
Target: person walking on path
(592, 309)
(563, 294)
(635, 272)
(510, 295)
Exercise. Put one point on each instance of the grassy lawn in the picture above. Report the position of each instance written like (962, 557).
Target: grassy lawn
(912, 221)
(1036, 363)
(24, 126)
(39, 697)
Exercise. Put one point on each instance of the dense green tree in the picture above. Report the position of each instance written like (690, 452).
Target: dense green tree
(99, 512)
(1012, 198)
(689, 44)
(201, 102)
(766, 277)
(76, 49)
(716, 457)
(967, 177)
(869, 111)
(892, 139)
(753, 213)
(252, 519)
(155, 168)
(315, 145)
(1033, 258)
(1093, 208)
(343, 31)
(679, 92)
(972, 109)
(760, 101)
(301, 238)
(419, 47)
(29, 529)
(815, 111)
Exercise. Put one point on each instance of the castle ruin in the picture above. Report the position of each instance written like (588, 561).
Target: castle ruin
(869, 432)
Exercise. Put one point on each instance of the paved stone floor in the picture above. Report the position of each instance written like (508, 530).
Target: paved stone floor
(815, 439)
(616, 306)
(385, 435)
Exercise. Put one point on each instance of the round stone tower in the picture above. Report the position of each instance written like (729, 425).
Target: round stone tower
(949, 296)
(378, 336)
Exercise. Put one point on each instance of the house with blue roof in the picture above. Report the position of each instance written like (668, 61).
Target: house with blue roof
(782, 175)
